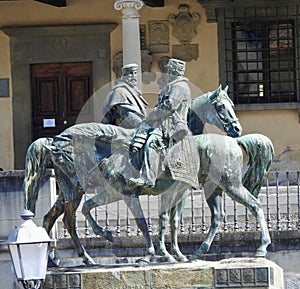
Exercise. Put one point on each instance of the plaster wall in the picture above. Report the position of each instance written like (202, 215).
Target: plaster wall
(282, 126)
(6, 139)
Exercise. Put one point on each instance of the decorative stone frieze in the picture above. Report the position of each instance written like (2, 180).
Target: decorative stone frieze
(184, 24)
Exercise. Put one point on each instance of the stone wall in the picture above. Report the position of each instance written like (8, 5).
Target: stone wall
(12, 199)
(11, 205)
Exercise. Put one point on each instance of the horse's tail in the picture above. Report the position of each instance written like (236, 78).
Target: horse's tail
(37, 158)
(260, 152)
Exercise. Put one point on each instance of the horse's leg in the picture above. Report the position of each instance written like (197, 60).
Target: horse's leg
(164, 217)
(171, 209)
(101, 198)
(71, 206)
(174, 222)
(52, 215)
(243, 196)
(72, 198)
(49, 220)
(133, 202)
(163, 224)
(215, 203)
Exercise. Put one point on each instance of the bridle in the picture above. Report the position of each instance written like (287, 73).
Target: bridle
(216, 100)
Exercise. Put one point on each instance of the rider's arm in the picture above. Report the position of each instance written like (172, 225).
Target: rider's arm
(120, 111)
(129, 118)
(177, 94)
(168, 106)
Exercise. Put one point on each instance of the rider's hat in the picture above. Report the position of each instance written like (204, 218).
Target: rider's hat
(176, 64)
(129, 67)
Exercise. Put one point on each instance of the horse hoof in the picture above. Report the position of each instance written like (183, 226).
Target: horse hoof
(109, 236)
(193, 258)
(52, 262)
(168, 259)
(260, 254)
(181, 258)
(204, 248)
(88, 261)
(142, 262)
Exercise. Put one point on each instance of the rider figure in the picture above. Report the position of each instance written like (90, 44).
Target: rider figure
(125, 105)
(165, 125)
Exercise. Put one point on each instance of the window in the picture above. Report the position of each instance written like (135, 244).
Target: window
(260, 57)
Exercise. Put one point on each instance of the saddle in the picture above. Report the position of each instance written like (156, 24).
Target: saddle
(180, 162)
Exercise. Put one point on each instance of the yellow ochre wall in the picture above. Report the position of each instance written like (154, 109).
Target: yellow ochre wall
(282, 126)
(6, 125)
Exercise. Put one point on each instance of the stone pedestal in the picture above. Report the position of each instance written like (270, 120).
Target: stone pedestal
(230, 273)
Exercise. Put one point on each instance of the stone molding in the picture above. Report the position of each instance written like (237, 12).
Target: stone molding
(129, 7)
(211, 6)
(29, 32)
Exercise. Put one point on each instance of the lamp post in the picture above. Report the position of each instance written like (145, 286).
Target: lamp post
(28, 246)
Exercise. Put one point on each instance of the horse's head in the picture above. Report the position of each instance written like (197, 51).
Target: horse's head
(223, 113)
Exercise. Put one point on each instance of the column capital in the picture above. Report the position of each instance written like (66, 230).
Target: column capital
(129, 7)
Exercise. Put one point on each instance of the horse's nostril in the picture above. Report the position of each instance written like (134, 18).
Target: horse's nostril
(236, 128)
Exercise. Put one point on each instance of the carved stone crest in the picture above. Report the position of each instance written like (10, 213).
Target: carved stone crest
(184, 24)
(158, 36)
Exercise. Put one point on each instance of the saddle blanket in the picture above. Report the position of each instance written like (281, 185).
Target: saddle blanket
(183, 161)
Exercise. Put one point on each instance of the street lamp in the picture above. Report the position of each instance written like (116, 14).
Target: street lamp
(28, 247)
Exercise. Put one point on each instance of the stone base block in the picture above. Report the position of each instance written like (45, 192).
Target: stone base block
(230, 273)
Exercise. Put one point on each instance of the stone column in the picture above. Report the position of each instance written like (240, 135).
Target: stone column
(131, 32)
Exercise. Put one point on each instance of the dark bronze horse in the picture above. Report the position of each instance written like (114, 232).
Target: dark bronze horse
(73, 187)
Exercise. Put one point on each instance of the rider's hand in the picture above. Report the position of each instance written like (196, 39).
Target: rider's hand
(138, 140)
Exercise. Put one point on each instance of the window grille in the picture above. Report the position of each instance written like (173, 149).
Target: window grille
(261, 56)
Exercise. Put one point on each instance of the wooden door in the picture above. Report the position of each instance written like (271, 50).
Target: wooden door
(59, 92)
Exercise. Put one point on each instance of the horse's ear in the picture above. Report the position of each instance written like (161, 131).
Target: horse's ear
(220, 88)
(212, 95)
(226, 88)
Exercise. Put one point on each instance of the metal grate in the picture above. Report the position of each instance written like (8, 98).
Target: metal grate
(262, 54)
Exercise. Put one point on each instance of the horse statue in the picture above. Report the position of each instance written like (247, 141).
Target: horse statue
(259, 152)
(212, 107)
(71, 188)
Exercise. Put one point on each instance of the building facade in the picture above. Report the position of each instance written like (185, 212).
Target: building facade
(55, 55)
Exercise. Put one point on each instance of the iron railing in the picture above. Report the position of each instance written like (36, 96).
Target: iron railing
(280, 198)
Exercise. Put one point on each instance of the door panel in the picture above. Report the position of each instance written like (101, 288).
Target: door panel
(76, 91)
(59, 92)
(47, 97)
